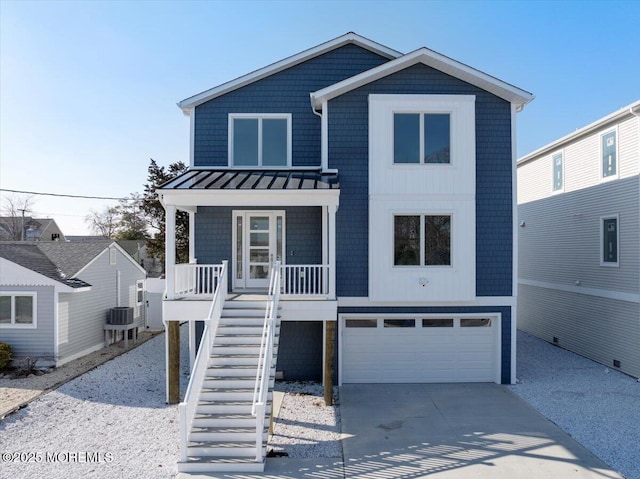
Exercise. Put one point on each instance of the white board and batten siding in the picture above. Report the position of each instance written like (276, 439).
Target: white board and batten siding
(422, 189)
(417, 354)
(82, 316)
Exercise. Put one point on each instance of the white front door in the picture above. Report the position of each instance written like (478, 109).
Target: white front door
(259, 241)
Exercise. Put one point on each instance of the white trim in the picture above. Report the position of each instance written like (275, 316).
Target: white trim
(56, 324)
(259, 117)
(432, 59)
(192, 237)
(34, 310)
(515, 239)
(192, 139)
(590, 128)
(185, 198)
(190, 103)
(497, 316)
(610, 264)
(597, 292)
(604, 179)
(365, 302)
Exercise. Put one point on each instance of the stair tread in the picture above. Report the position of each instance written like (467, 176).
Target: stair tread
(221, 459)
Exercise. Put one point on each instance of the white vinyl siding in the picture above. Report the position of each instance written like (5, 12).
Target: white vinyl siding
(582, 163)
(421, 349)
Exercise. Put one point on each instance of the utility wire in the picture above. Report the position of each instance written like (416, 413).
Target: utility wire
(68, 196)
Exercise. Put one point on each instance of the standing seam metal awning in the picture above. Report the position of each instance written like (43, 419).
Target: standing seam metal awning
(253, 180)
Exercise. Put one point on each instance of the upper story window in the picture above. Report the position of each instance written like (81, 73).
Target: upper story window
(422, 240)
(18, 310)
(260, 140)
(558, 173)
(421, 138)
(609, 155)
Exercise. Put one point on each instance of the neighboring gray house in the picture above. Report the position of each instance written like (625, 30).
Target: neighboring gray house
(579, 243)
(55, 296)
(17, 228)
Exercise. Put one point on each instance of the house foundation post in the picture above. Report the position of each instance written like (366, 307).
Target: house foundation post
(173, 369)
(329, 346)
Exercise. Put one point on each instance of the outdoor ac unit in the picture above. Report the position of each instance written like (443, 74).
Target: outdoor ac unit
(120, 315)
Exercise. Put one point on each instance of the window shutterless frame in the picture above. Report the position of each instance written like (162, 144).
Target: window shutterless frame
(422, 240)
(422, 137)
(18, 310)
(261, 143)
(610, 241)
(609, 162)
(557, 162)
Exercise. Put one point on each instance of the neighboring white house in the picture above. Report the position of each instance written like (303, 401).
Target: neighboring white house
(18, 228)
(55, 296)
(579, 243)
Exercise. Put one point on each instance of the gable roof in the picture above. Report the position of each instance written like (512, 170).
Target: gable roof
(432, 59)
(71, 258)
(350, 38)
(39, 226)
(624, 112)
(32, 257)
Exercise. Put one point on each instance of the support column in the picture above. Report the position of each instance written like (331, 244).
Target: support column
(173, 335)
(170, 251)
(325, 248)
(329, 347)
(192, 237)
(331, 209)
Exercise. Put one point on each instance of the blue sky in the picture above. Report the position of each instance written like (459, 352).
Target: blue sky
(89, 89)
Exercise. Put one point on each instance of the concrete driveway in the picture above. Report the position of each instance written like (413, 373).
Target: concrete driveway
(455, 431)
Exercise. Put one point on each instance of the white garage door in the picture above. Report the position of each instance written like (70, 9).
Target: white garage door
(420, 350)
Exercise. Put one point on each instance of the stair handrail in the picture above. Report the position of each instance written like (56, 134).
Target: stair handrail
(265, 358)
(187, 407)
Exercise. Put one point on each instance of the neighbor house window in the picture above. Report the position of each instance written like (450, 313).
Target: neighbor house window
(421, 138)
(609, 241)
(260, 140)
(609, 157)
(112, 256)
(17, 310)
(422, 240)
(558, 179)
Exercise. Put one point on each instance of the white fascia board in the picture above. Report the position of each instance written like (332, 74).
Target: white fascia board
(13, 274)
(188, 104)
(183, 199)
(622, 113)
(432, 59)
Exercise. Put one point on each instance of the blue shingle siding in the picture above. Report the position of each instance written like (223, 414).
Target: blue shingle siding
(348, 152)
(284, 92)
(303, 233)
(505, 333)
(300, 350)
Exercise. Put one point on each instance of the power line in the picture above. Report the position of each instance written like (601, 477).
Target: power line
(67, 196)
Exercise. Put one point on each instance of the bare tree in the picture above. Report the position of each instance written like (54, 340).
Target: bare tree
(104, 223)
(15, 208)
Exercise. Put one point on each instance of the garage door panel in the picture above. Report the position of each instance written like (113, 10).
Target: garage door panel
(419, 354)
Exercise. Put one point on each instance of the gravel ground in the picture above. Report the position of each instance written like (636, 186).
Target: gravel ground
(598, 406)
(305, 427)
(111, 422)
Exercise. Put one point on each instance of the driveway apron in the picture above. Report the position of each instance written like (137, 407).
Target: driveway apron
(457, 431)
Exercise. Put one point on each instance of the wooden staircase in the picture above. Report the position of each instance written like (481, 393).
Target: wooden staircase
(223, 435)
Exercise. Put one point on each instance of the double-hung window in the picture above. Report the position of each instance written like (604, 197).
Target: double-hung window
(558, 173)
(260, 140)
(609, 156)
(421, 138)
(422, 240)
(18, 310)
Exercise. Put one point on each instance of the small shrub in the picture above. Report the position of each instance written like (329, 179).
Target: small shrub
(6, 353)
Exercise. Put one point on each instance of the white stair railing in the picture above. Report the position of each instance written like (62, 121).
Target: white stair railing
(261, 389)
(187, 408)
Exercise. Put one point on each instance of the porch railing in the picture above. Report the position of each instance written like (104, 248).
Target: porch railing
(196, 280)
(187, 408)
(305, 280)
(263, 375)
